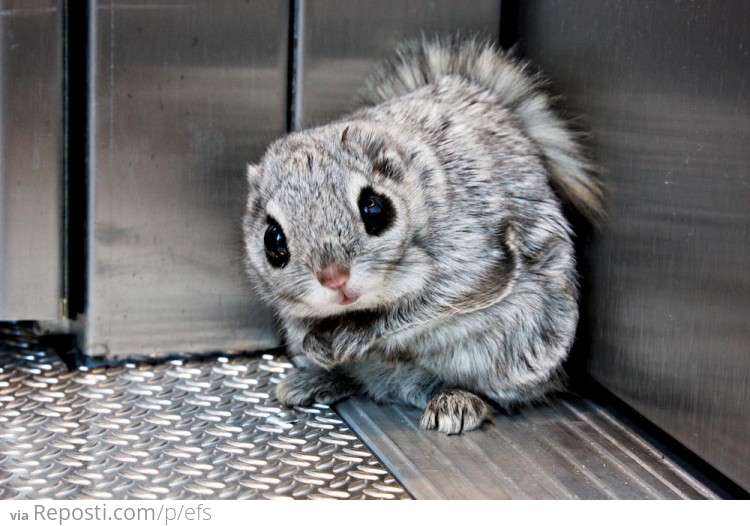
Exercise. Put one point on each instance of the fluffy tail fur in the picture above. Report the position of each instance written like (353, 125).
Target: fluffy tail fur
(418, 63)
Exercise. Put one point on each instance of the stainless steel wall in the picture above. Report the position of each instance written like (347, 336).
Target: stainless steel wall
(342, 40)
(184, 94)
(30, 159)
(665, 88)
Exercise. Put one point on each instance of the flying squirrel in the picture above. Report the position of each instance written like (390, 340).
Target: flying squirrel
(416, 250)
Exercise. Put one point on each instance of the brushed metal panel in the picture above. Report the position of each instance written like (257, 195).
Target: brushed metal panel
(185, 93)
(571, 448)
(664, 86)
(342, 40)
(30, 159)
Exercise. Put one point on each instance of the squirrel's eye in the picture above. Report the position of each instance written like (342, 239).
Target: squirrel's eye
(376, 211)
(275, 242)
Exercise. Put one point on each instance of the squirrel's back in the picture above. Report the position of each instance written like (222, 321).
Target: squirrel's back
(423, 62)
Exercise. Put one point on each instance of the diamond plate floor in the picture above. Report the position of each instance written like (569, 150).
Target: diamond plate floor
(212, 429)
(181, 430)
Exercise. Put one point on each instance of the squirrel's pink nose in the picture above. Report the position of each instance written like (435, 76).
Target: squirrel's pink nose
(334, 277)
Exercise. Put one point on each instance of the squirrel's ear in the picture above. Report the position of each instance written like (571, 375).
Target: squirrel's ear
(387, 158)
(253, 176)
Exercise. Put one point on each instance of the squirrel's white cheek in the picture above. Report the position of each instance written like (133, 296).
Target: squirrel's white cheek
(412, 276)
(365, 282)
(318, 296)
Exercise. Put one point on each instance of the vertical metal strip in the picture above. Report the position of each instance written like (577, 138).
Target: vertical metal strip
(3, 221)
(30, 180)
(76, 35)
(296, 67)
(509, 19)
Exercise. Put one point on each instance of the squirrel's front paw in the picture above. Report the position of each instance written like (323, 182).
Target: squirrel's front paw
(307, 386)
(453, 412)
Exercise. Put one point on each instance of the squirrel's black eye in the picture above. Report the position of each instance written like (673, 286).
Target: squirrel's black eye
(275, 242)
(376, 211)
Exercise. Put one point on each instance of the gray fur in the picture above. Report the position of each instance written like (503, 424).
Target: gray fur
(471, 293)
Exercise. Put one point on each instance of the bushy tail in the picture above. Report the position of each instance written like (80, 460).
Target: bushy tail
(421, 62)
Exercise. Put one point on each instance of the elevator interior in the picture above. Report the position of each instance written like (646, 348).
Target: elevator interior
(124, 130)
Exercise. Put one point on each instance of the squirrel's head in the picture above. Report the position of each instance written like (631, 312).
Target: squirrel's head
(335, 221)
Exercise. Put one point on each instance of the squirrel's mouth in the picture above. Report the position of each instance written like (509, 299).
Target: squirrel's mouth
(346, 298)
